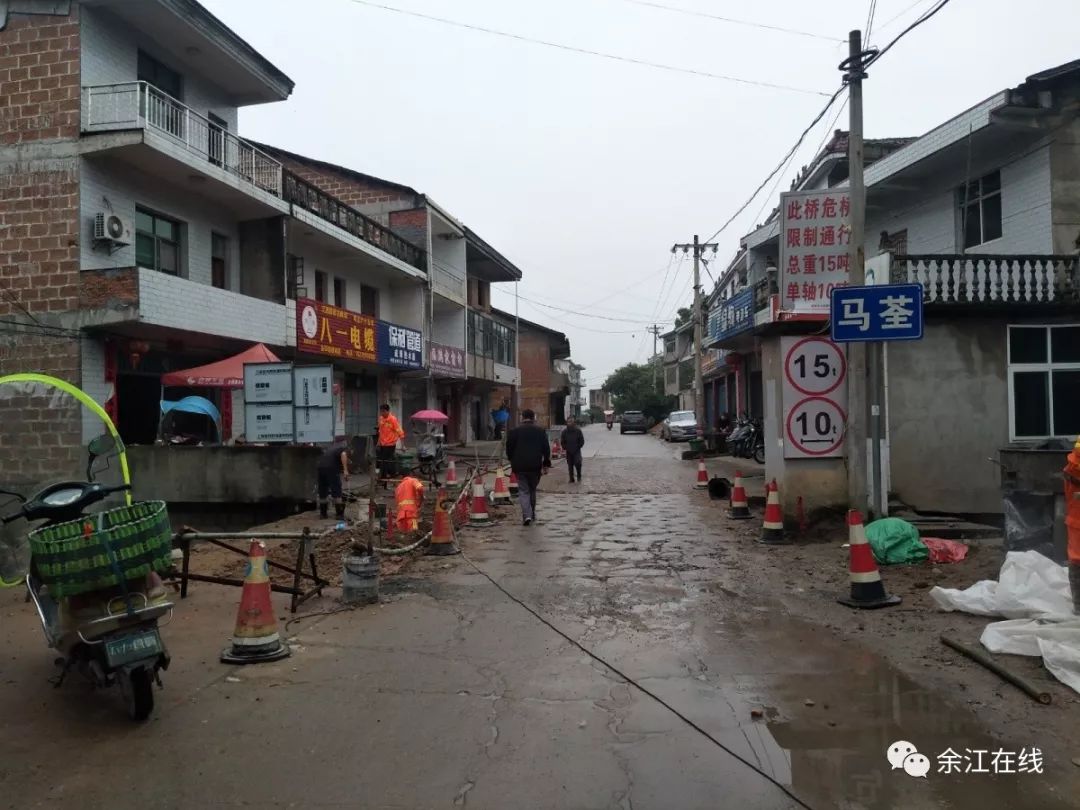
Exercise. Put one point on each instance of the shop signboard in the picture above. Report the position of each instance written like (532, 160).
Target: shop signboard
(447, 361)
(334, 332)
(399, 346)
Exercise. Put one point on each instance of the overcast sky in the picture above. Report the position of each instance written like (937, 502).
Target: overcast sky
(583, 170)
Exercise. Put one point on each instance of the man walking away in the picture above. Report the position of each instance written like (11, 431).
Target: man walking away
(390, 433)
(572, 442)
(530, 457)
(332, 468)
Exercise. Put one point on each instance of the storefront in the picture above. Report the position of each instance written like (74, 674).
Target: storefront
(447, 365)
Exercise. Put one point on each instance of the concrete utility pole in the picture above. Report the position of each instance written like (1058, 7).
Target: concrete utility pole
(699, 383)
(655, 331)
(857, 352)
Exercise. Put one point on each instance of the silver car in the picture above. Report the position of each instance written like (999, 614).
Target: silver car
(679, 426)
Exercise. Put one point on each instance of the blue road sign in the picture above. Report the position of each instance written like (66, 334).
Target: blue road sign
(883, 312)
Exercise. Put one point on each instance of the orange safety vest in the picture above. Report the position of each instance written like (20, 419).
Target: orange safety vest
(389, 430)
(407, 498)
(1072, 502)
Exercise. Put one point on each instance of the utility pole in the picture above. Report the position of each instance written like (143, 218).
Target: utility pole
(699, 382)
(655, 331)
(857, 352)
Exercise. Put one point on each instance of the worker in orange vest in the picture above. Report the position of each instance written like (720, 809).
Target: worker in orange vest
(408, 497)
(1071, 473)
(390, 433)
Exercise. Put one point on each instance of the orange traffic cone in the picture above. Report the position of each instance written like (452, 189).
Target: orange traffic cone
(451, 475)
(256, 635)
(442, 532)
(772, 529)
(513, 485)
(501, 494)
(702, 474)
(740, 509)
(867, 589)
(478, 512)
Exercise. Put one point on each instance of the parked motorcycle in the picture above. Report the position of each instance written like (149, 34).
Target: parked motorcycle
(747, 439)
(92, 580)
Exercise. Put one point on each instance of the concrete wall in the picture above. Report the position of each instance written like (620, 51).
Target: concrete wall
(107, 184)
(948, 400)
(448, 268)
(822, 483)
(223, 474)
(1065, 189)
(110, 56)
(448, 327)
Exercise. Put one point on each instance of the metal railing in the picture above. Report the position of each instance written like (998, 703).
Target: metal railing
(311, 198)
(138, 105)
(1017, 279)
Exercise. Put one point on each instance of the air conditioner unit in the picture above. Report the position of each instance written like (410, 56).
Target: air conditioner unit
(112, 229)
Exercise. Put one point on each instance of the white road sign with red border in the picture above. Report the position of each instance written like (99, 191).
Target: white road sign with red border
(814, 397)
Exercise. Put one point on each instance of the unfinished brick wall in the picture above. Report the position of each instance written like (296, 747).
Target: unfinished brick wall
(350, 189)
(411, 225)
(534, 358)
(40, 432)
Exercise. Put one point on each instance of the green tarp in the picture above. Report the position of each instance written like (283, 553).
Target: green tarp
(895, 541)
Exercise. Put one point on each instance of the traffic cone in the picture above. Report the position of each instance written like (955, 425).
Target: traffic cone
(702, 474)
(772, 529)
(451, 475)
(478, 512)
(740, 509)
(513, 485)
(256, 637)
(501, 494)
(556, 449)
(442, 532)
(867, 589)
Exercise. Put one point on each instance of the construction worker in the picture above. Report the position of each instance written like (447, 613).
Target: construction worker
(408, 498)
(333, 466)
(390, 433)
(1071, 474)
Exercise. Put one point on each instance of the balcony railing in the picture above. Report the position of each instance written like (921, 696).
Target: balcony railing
(139, 105)
(311, 198)
(1017, 279)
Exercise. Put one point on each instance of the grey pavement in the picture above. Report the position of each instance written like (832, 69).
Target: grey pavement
(452, 694)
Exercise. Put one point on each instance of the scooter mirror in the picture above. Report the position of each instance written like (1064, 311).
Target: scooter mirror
(100, 445)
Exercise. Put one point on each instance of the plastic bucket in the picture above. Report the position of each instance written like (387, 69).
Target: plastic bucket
(360, 580)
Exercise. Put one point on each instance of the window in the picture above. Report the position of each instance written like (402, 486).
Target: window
(157, 242)
(219, 262)
(369, 301)
(320, 286)
(339, 292)
(980, 210)
(504, 340)
(480, 334)
(1044, 381)
(164, 79)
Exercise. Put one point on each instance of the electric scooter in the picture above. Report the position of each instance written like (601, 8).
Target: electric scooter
(109, 635)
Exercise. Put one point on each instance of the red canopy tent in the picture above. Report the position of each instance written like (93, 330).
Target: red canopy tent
(227, 373)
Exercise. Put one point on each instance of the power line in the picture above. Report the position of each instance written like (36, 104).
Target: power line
(733, 21)
(870, 18)
(588, 329)
(877, 55)
(588, 52)
(900, 14)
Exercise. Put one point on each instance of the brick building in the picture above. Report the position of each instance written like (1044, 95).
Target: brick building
(544, 388)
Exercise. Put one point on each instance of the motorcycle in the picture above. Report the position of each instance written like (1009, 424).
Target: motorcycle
(747, 439)
(110, 635)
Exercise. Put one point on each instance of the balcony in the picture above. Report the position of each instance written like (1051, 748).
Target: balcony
(139, 105)
(958, 279)
(303, 194)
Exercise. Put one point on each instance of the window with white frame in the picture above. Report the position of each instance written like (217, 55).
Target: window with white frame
(980, 210)
(1044, 381)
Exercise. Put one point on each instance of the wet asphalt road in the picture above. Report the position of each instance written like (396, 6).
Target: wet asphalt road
(451, 694)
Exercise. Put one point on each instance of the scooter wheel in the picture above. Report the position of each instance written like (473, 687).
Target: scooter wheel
(137, 687)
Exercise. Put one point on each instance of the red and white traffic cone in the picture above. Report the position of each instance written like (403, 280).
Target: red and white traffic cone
(772, 528)
(442, 532)
(451, 475)
(501, 493)
(867, 589)
(478, 511)
(513, 484)
(702, 475)
(740, 509)
(256, 636)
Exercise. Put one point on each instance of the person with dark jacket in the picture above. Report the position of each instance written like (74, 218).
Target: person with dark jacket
(572, 441)
(530, 457)
(332, 467)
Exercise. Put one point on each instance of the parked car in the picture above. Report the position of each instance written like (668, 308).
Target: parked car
(633, 420)
(679, 426)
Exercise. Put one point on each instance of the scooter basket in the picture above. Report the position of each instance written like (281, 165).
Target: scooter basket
(104, 549)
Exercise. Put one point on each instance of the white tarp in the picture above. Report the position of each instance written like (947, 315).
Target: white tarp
(1032, 592)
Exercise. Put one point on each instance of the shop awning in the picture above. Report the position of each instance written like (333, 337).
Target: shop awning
(227, 373)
